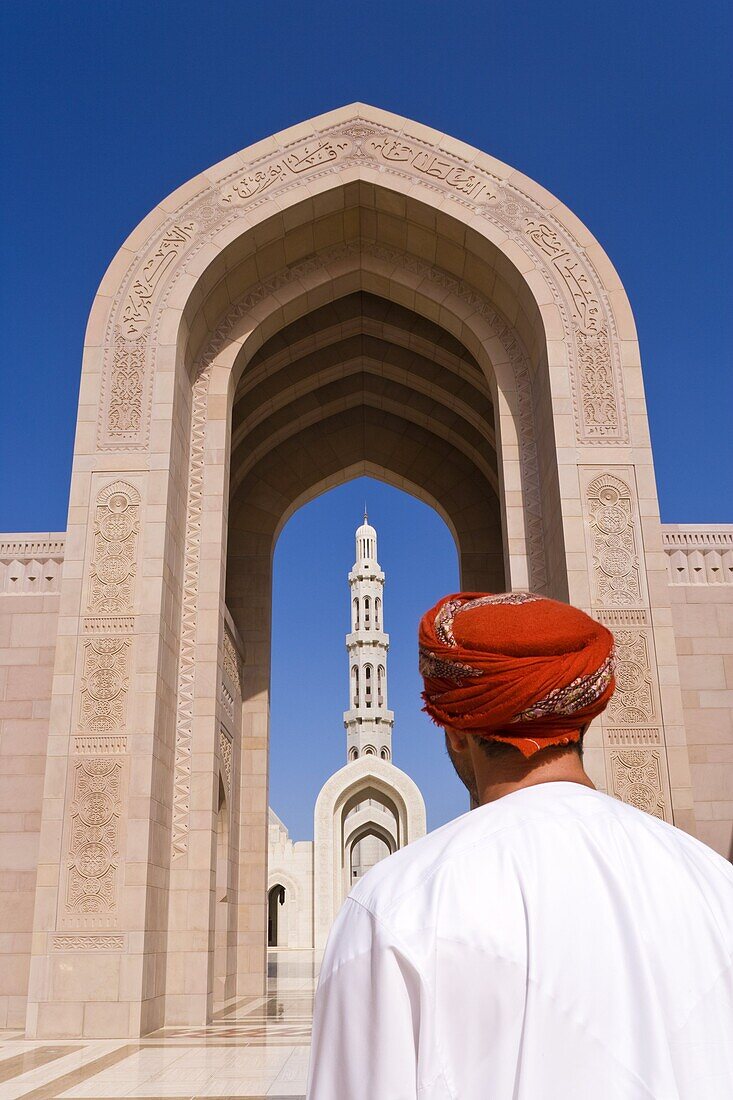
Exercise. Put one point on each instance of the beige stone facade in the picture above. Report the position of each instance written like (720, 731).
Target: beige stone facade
(357, 295)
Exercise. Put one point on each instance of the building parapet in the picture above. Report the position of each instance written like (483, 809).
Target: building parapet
(699, 554)
(31, 563)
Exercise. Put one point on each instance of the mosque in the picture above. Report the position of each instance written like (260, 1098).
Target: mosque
(358, 295)
(366, 810)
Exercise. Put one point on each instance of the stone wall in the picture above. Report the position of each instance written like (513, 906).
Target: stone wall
(700, 563)
(290, 863)
(30, 567)
(701, 587)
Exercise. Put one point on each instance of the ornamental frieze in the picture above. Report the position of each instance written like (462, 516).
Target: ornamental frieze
(597, 392)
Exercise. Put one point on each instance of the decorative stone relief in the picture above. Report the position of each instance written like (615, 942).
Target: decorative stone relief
(109, 624)
(100, 745)
(225, 752)
(434, 166)
(88, 942)
(116, 525)
(636, 777)
(312, 155)
(138, 303)
(227, 700)
(702, 555)
(186, 662)
(600, 407)
(616, 563)
(231, 662)
(632, 704)
(598, 396)
(125, 404)
(93, 850)
(104, 684)
(31, 566)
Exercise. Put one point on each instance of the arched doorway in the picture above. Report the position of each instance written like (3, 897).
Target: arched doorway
(359, 296)
(368, 799)
(275, 902)
(365, 852)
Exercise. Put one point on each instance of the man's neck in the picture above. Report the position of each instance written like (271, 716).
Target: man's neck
(494, 780)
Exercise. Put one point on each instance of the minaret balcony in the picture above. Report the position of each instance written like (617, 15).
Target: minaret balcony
(368, 715)
(366, 571)
(367, 638)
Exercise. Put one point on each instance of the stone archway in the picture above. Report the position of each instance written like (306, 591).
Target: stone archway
(338, 824)
(358, 294)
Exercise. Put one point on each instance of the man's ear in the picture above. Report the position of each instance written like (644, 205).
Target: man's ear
(457, 738)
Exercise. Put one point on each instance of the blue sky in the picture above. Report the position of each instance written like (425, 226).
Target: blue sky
(623, 110)
(311, 616)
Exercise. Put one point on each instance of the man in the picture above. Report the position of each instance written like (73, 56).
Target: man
(551, 944)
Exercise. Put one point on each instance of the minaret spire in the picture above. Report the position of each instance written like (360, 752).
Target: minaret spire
(368, 722)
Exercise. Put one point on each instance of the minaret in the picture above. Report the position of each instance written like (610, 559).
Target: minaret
(368, 722)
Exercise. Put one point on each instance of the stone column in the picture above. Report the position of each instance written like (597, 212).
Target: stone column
(101, 890)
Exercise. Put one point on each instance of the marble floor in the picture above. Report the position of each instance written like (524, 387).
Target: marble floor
(253, 1050)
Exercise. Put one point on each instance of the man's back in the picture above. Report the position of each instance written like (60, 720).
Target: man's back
(552, 943)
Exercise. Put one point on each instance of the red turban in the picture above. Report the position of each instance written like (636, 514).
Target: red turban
(515, 667)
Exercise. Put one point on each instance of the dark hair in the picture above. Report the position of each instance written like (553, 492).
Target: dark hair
(501, 751)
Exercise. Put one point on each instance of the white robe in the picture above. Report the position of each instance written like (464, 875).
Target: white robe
(556, 944)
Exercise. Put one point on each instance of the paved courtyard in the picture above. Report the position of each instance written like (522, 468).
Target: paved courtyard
(254, 1049)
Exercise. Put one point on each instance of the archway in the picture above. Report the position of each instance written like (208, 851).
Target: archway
(367, 797)
(275, 902)
(358, 295)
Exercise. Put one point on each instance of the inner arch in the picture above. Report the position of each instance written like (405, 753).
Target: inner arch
(366, 386)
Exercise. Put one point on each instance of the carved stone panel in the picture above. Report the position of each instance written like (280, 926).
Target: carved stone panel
(116, 526)
(138, 305)
(104, 684)
(225, 753)
(614, 537)
(94, 842)
(633, 703)
(637, 778)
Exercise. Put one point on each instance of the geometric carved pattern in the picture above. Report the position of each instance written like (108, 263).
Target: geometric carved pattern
(702, 555)
(632, 704)
(225, 752)
(231, 663)
(104, 684)
(186, 661)
(636, 778)
(102, 744)
(93, 850)
(89, 942)
(116, 524)
(108, 624)
(616, 562)
(30, 566)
